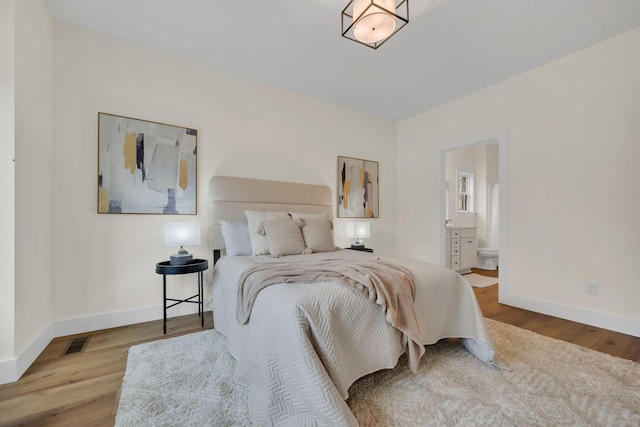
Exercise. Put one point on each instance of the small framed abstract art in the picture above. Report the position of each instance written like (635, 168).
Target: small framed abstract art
(358, 188)
(146, 167)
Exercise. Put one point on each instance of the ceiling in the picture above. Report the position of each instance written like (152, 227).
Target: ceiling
(450, 48)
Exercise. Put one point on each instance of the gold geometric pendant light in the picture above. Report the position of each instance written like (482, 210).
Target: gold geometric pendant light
(373, 22)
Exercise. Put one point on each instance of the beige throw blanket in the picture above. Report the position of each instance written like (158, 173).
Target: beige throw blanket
(388, 285)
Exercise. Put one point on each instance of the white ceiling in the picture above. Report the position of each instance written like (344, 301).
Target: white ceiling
(449, 48)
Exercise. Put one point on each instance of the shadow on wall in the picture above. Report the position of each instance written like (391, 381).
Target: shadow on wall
(269, 164)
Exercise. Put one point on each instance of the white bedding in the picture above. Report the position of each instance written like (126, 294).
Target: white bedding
(305, 344)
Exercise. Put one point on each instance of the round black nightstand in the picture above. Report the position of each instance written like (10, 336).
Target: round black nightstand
(193, 266)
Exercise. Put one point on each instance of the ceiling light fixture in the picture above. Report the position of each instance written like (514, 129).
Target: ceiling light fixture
(373, 22)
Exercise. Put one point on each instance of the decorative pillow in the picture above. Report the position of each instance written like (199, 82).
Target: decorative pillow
(236, 237)
(317, 235)
(284, 237)
(259, 243)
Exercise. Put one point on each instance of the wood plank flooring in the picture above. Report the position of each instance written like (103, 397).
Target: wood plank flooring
(82, 389)
(610, 342)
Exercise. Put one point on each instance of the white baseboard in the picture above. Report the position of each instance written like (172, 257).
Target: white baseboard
(80, 325)
(12, 369)
(8, 371)
(623, 325)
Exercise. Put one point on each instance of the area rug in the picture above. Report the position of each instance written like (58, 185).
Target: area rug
(480, 281)
(187, 381)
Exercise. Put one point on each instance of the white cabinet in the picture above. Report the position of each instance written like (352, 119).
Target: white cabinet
(460, 248)
(453, 248)
(468, 249)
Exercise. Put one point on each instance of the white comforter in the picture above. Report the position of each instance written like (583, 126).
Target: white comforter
(305, 344)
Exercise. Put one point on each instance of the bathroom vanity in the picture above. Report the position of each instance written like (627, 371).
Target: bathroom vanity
(460, 248)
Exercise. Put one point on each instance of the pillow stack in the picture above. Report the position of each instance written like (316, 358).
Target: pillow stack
(259, 242)
(278, 234)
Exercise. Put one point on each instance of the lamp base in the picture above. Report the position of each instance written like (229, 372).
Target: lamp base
(180, 259)
(357, 246)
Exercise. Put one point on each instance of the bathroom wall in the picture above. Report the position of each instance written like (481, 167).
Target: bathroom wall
(462, 160)
(482, 161)
(486, 165)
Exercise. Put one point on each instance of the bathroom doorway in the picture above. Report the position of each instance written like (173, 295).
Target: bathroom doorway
(473, 175)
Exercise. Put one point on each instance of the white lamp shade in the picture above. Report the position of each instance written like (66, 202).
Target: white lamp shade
(375, 24)
(181, 233)
(358, 230)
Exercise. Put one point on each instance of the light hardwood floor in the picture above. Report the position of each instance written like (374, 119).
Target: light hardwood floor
(82, 389)
(613, 343)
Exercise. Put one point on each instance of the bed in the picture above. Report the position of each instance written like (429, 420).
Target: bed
(305, 343)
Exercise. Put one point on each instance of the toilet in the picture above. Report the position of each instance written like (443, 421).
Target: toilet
(487, 258)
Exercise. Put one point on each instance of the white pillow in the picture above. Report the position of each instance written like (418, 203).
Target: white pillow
(259, 243)
(236, 237)
(317, 235)
(284, 237)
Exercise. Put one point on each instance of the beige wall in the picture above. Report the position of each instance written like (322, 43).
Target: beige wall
(33, 170)
(573, 150)
(7, 177)
(26, 87)
(105, 263)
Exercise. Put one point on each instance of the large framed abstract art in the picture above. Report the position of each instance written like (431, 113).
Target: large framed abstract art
(358, 188)
(146, 167)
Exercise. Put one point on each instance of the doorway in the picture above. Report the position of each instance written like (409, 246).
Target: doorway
(456, 212)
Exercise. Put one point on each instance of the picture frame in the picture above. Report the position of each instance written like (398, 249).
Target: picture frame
(358, 188)
(146, 167)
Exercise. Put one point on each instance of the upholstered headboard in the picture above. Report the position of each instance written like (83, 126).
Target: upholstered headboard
(230, 196)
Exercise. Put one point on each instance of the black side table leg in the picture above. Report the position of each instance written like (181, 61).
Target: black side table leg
(164, 302)
(201, 297)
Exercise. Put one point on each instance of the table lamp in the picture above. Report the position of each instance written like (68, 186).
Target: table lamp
(358, 231)
(181, 234)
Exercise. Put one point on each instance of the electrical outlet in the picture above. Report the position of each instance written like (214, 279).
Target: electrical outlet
(592, 288)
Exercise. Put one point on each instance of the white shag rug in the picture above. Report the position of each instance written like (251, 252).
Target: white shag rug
(187, 381)
(480, 281)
